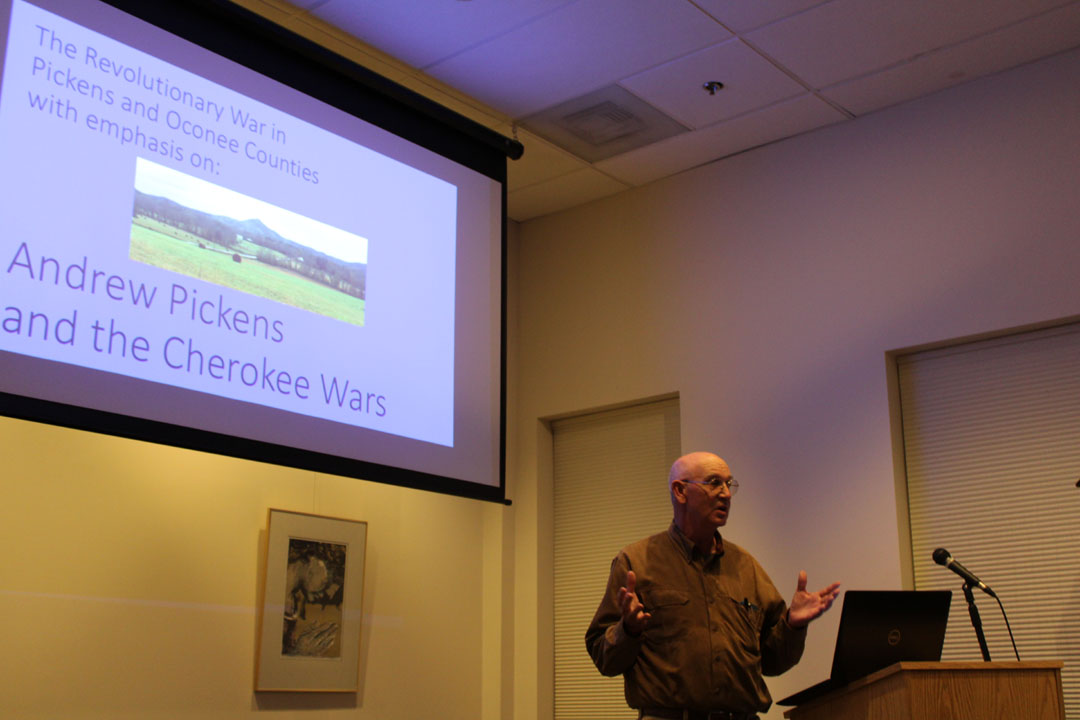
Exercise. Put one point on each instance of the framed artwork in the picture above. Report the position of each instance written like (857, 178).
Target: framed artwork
(309, 627)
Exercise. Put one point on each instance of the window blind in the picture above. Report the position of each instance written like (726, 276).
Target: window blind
(992, 449)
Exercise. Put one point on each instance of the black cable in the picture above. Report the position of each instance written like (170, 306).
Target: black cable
(1007, 627)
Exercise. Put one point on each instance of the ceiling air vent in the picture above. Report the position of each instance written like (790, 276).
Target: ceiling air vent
(602, 124)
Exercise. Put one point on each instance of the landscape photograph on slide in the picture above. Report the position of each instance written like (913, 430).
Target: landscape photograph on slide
(190, 226)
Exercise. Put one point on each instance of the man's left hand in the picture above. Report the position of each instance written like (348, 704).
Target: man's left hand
(806, 606)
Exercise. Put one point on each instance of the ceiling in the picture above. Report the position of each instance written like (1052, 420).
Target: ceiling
(787, 67)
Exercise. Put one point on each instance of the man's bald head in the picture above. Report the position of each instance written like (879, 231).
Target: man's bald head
(689, 466)
(698, 508)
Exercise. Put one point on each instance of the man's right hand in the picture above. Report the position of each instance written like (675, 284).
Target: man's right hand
(634, 617)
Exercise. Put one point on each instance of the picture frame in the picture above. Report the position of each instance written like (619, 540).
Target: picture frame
(311, 607)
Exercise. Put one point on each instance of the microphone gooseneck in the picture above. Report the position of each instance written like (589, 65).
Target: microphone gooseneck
(942, 557)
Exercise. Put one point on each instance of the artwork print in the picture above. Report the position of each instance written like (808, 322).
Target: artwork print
(314, 590)
(311, 610)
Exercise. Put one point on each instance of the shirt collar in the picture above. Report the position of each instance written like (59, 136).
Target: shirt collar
(689, 550)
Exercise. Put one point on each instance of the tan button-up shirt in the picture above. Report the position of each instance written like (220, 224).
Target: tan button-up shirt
(718, 625)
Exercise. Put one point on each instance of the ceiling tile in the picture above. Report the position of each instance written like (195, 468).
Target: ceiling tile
(420, 32)
(845, 39)
(497, 61)
(335, 39)
(577, 48)
(541, 161)
(750, 82)
(688, 150)
(740, 15)
(575, 188)
(1021, 43)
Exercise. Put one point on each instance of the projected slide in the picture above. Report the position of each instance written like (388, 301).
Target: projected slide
(158, 225)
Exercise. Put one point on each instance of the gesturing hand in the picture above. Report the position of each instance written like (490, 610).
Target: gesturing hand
(634, 617)
(806, 606)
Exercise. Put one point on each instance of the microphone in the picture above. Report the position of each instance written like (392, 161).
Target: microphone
(942, 557)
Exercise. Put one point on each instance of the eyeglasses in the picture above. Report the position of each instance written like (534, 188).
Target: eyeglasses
(714, 484)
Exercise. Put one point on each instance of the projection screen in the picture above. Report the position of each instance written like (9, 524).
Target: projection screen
(216, 235)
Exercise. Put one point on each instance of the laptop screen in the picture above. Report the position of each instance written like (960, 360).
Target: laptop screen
(882, 627)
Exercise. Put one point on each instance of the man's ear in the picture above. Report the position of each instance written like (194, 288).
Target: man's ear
(678, 491)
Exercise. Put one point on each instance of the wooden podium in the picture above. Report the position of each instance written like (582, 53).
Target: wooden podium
(945, 691)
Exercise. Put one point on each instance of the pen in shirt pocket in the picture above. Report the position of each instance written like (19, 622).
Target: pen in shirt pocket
(749, 605)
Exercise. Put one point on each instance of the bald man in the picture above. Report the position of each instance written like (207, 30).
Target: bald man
(689, 619)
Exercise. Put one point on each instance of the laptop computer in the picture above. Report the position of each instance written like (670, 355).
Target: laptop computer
(879, 628)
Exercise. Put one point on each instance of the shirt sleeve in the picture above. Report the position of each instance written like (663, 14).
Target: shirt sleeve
(781, 645)
(612, 649)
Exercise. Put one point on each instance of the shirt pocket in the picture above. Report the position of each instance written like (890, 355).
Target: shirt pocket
(745, 620)
(670, 616)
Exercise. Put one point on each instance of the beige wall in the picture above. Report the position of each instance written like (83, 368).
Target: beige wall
(130, 572)
(766, 290)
